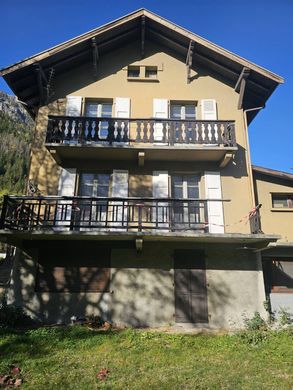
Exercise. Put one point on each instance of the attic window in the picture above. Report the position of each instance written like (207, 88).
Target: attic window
(151, 72)
(133, 71)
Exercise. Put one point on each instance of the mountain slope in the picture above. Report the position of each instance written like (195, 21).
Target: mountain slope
(16, 129)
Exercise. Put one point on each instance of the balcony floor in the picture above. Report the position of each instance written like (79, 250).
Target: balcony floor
(65, 154)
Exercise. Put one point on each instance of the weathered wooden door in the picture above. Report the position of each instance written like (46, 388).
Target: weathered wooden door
(190, 287)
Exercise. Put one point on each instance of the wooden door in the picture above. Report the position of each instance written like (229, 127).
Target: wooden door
(190, 287)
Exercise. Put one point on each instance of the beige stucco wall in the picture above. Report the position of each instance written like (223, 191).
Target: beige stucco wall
(142, 288)
(273, 220)
(112, 82)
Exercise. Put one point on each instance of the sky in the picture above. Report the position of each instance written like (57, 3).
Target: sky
(259, 30)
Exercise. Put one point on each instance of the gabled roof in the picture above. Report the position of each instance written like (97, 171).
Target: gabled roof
(272, 172)
(141, 25)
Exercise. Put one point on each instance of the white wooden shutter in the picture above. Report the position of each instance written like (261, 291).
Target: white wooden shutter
(119, 190)
(209, 109)
(122, 107)
(66, 187)
(122, 110)
(215, 209)
(160, 190)
(160, 110)
(73, 105)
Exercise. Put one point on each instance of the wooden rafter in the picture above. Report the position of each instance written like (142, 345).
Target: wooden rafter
(189, 60)
(142, 36)
(241, 85)
(44, 83)
(95, 53)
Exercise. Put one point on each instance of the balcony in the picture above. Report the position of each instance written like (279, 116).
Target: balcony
(23, 214)
(75, 138)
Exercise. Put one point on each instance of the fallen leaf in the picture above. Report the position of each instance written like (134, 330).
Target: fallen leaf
(102, 375)
(15, 370)
(18, 382)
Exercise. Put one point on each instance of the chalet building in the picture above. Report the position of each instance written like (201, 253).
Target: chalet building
(141, 204)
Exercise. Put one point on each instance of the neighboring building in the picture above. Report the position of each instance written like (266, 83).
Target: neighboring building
(274, 190)
(141, 205)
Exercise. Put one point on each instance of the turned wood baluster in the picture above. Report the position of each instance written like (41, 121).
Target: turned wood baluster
(213, 133)
(152, 130)
(200, 131)
(126, 132)
(138, 131)
(180, 132)
(145, 131)
(164, 130)
(193, 132)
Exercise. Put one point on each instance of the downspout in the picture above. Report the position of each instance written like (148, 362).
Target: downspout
(249, 167)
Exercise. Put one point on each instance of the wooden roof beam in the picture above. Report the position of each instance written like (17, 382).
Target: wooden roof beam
(95, 54)
(241, 85)
(189, 60)
(142, 36)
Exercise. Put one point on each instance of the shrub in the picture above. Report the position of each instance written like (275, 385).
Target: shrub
(255, 323)
(11, 315)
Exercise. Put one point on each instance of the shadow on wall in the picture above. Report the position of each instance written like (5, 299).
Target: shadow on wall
(139, 293)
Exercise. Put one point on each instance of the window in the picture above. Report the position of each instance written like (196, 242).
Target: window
(100, 110)
(133, 71)
(278, 274)
(95, 211)
(151, 72)
(282, 201)
(182, 111)
(186, 214)
(73, 269)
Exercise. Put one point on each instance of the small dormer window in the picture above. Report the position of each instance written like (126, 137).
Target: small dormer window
(133, 71)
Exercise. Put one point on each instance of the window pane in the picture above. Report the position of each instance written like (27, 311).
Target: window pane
(282, 201)
(151, 73)
(189, 112)
(91, 109)
(133, 71)
(106, 110)
(175, 112)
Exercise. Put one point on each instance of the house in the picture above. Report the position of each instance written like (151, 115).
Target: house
(141, 196)
(274, 190)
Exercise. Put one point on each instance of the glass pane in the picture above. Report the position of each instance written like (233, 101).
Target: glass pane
(189, 112)
(151, 73)
(133, 71)
(193, 192)
(106, 110)
(177, 180)
(175, 112)
(91, 109)
(280, 201)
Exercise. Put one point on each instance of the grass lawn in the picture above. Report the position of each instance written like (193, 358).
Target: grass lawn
(70, 358)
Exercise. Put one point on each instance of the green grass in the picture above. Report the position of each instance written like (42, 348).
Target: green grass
(70, 358)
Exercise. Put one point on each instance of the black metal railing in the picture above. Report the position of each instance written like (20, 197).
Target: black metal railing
(170, 132)
(90, 214)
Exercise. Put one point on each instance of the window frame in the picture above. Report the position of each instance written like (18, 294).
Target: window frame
(183, 104)
(288, 197)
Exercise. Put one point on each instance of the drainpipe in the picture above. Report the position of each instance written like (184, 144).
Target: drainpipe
(249, 168)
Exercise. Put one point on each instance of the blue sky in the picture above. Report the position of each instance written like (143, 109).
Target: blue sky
(259, 30)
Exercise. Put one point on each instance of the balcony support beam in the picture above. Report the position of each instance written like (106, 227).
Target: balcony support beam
(142, 49)
(141, 157)
(241, 86)
(138, 245)
(189, 60)
(226, 159)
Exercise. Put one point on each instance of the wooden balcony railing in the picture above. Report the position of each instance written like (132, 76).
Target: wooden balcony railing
(123, 131)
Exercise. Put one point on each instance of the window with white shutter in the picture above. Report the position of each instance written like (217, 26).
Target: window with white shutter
(118, 208)
(161, 190)
(66, 187)
(73, 105)
(209, 109)
(160, 110)
(215, 208)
